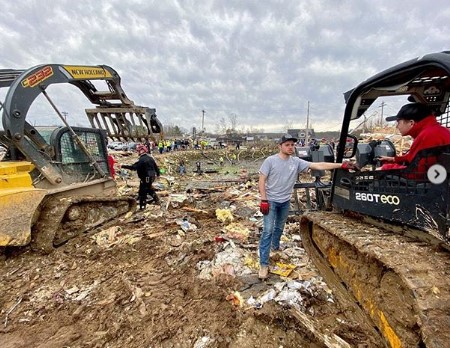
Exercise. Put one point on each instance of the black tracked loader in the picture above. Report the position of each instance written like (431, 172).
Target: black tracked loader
(381, 237)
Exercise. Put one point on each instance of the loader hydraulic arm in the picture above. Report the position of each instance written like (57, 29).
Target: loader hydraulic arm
(28, 86)
(114, 113)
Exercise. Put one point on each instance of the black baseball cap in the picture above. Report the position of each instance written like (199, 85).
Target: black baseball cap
(412, 111)
(287, 137)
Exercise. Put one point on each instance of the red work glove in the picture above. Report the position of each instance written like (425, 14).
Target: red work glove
(349, 166)
(264, 207)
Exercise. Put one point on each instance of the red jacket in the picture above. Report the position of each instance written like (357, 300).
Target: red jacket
(111, 162)
(426, 133)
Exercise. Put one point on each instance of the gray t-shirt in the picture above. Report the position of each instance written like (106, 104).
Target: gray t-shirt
(281, 176)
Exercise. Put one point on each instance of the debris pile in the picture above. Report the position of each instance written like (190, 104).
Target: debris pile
(182, 273)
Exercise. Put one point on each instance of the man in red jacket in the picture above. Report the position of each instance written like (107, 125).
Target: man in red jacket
(418, 121)
(111, 163)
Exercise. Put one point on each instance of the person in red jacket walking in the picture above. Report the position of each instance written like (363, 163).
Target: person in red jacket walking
(418, 121)
(111, 163)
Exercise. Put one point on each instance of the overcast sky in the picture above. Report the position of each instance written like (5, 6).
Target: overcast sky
(262, 61)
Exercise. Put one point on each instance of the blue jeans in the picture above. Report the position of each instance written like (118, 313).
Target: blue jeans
(272, 230)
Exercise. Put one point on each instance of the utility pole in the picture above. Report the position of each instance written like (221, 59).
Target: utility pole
(381, 119)
(203, 121)
(65, 113)
(307, 126)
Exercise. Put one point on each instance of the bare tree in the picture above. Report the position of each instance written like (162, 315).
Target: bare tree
(289, 125)
(172, 130)
(233, 121)
(222, 125)
(217, 128)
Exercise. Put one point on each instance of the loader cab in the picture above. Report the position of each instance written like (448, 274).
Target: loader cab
(64, 152)
(408, 195)
(350, 147)
(74, 163)
(316, 153)
(322, 189)
(369, 153)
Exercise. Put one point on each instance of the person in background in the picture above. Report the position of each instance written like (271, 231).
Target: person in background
(161, 147)
(149, 145)
(418, 121)
(314, 145)
(111, 163)
(233, 158)
(333, 144)
(181, 168)
(147, 171)
(277, 176)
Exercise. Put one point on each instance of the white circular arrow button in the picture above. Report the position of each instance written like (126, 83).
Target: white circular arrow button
(437, 174)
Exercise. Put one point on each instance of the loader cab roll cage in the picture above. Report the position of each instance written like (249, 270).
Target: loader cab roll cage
(424, 79)
(404, 195)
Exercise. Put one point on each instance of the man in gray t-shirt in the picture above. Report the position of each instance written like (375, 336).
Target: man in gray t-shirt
(277, 177)
(281, 175)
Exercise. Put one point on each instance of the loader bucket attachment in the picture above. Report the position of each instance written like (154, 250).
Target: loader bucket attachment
(17, 208)
(128, 122)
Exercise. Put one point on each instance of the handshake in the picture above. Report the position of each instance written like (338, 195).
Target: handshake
(350, 166)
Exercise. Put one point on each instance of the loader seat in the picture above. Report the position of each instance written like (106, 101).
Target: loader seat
(413, 179)
(417, 169)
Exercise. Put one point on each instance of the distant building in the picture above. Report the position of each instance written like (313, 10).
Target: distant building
(302, 134)
(231, 139)
(294, 132)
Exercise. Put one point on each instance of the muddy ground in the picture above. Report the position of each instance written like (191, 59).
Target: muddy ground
(179, 274)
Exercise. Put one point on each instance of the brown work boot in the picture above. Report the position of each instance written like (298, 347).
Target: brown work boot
(263, 272)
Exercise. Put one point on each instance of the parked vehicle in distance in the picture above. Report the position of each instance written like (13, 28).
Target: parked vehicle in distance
(131, 146)
(113, 144)
(121, 147)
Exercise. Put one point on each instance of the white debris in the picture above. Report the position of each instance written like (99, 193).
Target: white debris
(203, 342)
(229, 261)
(267, 296)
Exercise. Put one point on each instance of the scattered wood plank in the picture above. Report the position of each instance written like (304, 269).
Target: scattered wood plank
(330, 340)
(194, 210)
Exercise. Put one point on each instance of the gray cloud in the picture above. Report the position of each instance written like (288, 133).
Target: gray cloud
(260, 60)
